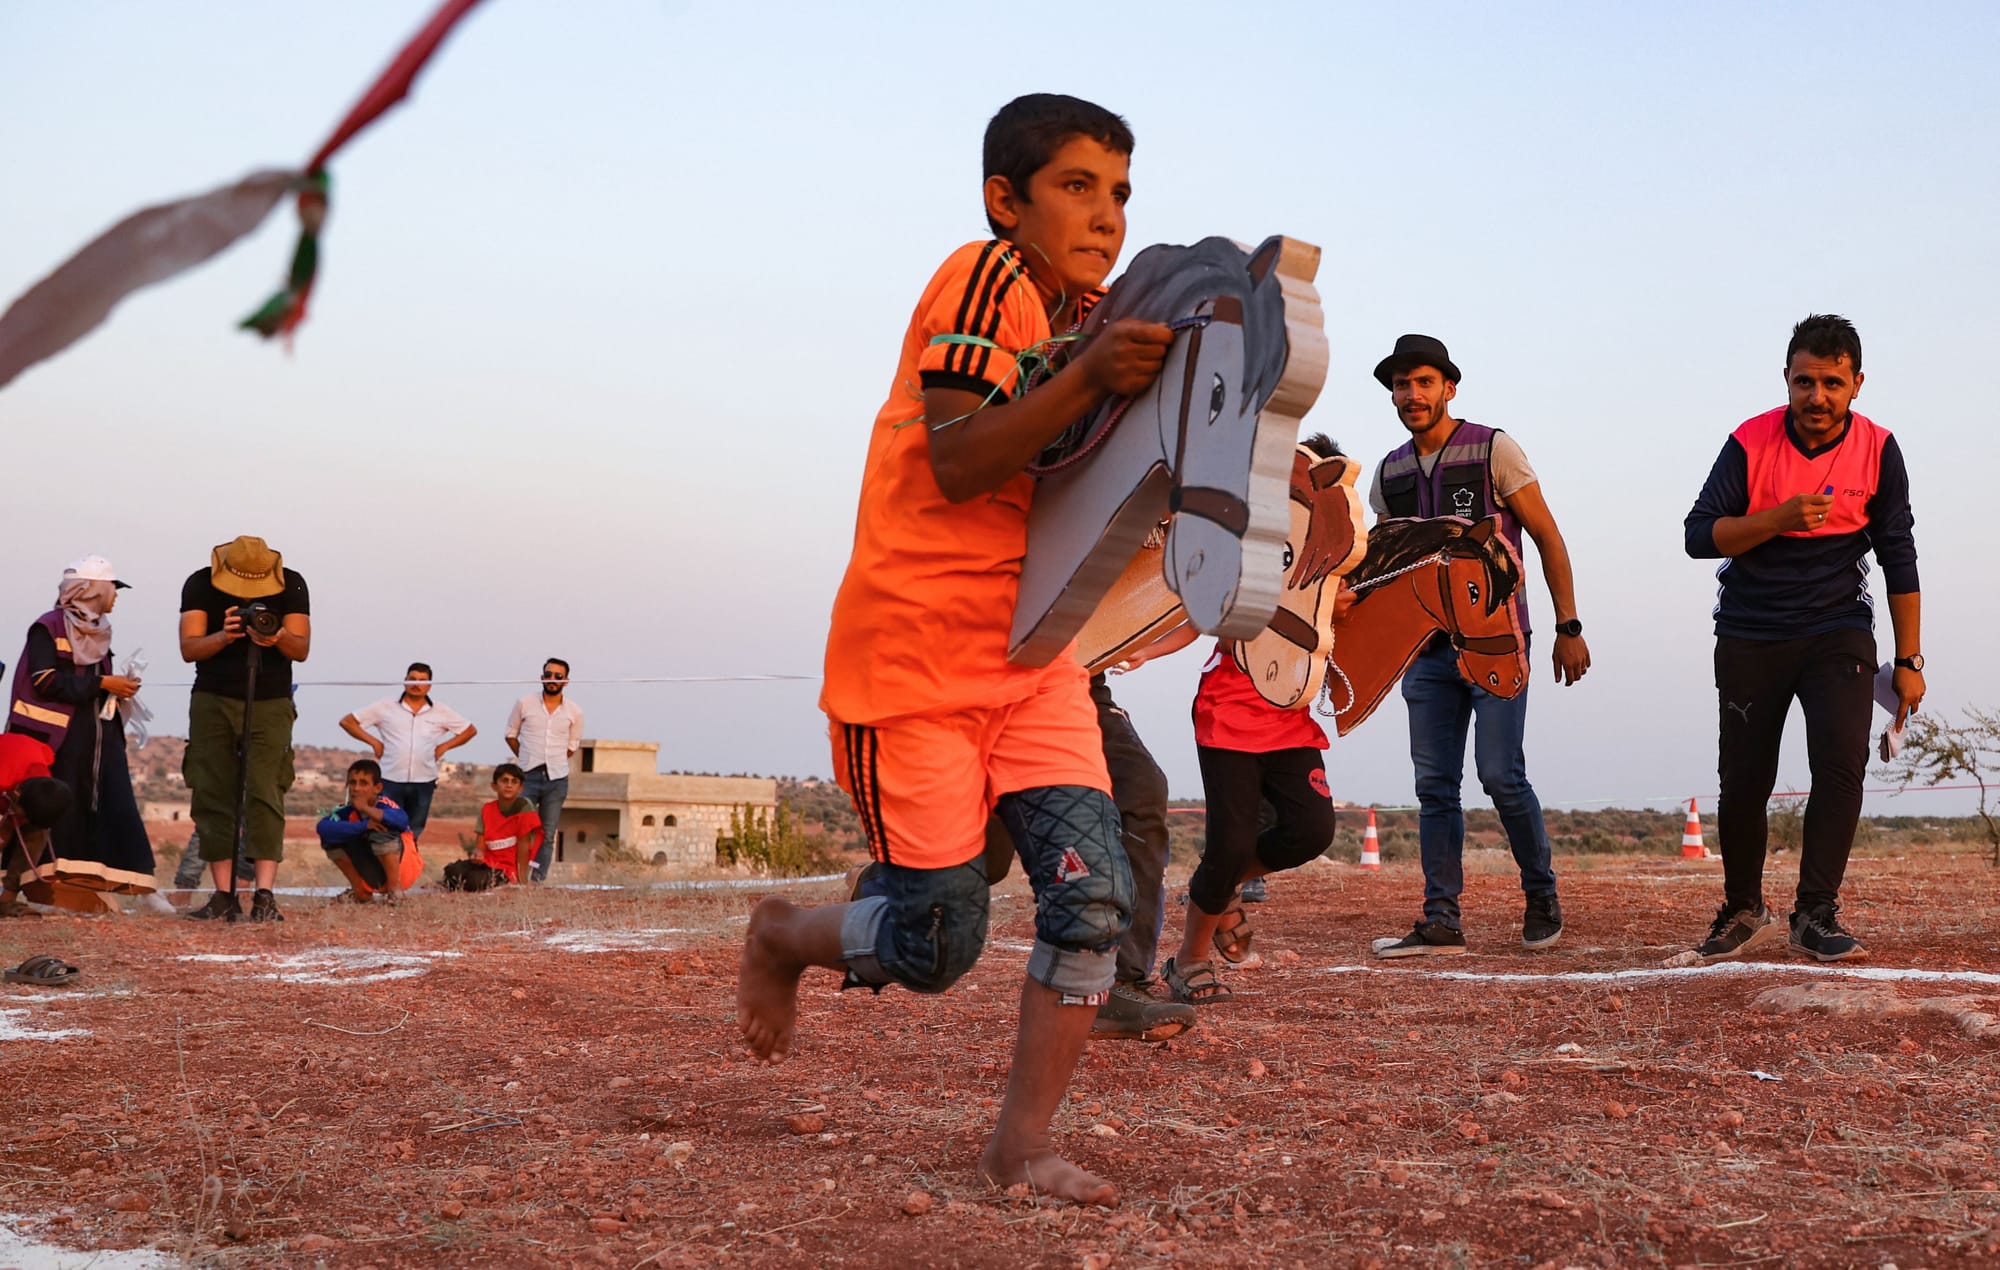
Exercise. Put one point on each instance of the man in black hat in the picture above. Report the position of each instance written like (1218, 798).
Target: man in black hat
(1452, 467)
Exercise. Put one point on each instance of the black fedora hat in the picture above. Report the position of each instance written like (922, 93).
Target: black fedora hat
(1416, 350)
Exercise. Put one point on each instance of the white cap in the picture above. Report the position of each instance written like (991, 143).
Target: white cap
(93, 569)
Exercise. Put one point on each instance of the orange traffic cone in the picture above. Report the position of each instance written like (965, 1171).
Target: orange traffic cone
(1692, 846)
(1371, 846)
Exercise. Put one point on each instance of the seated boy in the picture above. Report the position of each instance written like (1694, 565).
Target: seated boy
(932, 727)
(510, 830)
(368, 837)
(31, 804)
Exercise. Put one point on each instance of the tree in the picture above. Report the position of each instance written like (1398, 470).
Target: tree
(1936, 750)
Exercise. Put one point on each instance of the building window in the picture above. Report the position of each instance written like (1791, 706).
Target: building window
(647, 821)
(589, 762)
(579, 837)
(672, 821)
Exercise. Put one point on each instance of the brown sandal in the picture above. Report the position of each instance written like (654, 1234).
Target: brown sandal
(1195, 983)
(1232, 938)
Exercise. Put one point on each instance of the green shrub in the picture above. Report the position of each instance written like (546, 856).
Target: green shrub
(770, 844)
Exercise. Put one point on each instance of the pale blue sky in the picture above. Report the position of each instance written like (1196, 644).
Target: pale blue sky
(607, 308)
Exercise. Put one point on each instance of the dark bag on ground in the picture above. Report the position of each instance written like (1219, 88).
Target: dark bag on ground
(472, 875)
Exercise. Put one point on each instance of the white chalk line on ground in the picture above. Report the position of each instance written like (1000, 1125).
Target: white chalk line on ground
(333, 965)
(11, 1029)
(1657, 974)
(19, 1250)
(699, 884)
(609, 941)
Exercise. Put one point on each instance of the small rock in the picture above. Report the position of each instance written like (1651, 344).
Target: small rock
(607, 1225)
(1549, 1199)
(678, 1154)
(917, 1203)
(129, 1202)
(1097, 1261)
(312, 1243)
(1257, 1069)
(867, 1160)
(1103, 1131)
(1286, 956)
(1397, 1174)
(1615, 1110)
(1730, 1120)
(826, 1186)
(518, 995)
(1907, 1046)
(1468, 1129)
(1569, 1047)
(806, 1123)
(620, 1082)
(451, 1210)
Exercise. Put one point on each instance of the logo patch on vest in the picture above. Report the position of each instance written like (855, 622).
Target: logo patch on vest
(1461, 502)
(1071, 866)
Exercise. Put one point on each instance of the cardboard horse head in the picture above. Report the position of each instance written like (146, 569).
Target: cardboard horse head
(1421, 578)
(1209, 443)
(1287, 660)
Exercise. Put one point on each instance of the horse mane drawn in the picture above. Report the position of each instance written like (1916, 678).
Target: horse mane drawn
(1421, 578)
(1209, 444)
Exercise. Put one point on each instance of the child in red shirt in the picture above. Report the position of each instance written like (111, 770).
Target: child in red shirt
(510, 829)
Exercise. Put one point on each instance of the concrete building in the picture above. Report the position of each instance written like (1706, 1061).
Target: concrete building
(616, 790)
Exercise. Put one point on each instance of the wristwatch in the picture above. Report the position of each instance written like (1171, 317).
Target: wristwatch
(1915, 661)
(1572, 627)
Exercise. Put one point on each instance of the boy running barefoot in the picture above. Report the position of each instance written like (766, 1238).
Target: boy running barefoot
(932, 728)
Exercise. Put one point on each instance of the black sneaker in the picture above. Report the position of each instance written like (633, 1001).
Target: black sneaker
(1254, 891)
(1543, 923)
(264, 907)
(1131, 1013)
(1426, 939)
(1816, 932)
(221, 906)
(1736, 931)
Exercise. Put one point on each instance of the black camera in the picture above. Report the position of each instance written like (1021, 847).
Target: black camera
(261, 620)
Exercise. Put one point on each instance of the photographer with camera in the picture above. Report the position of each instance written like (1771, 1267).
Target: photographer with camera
(244, 622)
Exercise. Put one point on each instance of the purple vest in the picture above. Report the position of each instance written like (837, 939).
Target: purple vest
(27, 712)
(1460, 484)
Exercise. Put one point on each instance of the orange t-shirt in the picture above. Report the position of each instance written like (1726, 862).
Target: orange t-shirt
(921, 622)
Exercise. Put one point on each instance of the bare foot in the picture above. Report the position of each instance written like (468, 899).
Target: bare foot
(767, 983)
(1047, 1174)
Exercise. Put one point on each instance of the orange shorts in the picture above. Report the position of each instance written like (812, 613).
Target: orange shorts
(926, 784)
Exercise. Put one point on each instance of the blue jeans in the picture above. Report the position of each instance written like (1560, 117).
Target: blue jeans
(1441, 704)
(547, 795)
(414, 797)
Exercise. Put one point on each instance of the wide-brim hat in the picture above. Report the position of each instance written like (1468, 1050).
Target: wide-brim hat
(93, 569)
(247, 569)
(1413, 351)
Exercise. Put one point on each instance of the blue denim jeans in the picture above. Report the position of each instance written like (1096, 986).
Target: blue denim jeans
(414, 797)
(547, 795)
(1442, 704)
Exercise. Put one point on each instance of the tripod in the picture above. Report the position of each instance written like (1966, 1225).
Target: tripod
(243, 778)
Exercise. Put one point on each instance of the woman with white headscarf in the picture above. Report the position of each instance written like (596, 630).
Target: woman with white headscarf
(65, 696)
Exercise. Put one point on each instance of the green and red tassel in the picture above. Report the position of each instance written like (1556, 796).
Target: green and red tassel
(283, 312)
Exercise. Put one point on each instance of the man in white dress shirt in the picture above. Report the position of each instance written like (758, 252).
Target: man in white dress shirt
(410, 734)
(544, 730)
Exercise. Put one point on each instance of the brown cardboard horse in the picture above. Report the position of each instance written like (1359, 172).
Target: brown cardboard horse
(1421, 578)
(1209, 444)
(1285, 660)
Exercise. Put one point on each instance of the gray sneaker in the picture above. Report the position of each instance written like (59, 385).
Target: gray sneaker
(1737, 931)
(1818, 934)
(1426, 939)
(1131, 1013)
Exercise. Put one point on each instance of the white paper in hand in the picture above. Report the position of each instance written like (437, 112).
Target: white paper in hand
(1891, 743)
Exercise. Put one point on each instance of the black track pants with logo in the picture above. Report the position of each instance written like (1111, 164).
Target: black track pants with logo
(1832, 677)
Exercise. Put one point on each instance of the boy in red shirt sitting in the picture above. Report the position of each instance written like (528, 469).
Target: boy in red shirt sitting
(510, 829)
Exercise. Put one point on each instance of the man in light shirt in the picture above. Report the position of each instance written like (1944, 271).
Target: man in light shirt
(543, 730)
(410, 734)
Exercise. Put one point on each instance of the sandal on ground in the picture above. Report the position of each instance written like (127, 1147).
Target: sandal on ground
(43, 971)
(1232, 937)
(1195, 983)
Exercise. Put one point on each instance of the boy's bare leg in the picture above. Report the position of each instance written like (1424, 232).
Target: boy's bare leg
(1045, 1051)
(392, 871)
(782, 942)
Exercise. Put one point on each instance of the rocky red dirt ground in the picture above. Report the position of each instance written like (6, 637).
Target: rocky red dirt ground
(554, 1079)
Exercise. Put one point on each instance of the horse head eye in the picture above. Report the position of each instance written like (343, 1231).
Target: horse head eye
(1288, 555)
(1215, 395)
(1472, 591)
